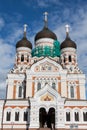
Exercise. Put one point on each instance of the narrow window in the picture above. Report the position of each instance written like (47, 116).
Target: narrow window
(22, 58)
(64, 60)
(39, 86)
(16, 116)
(25, 116)
(8, 116)
(85, 116)
(72, 91)
(76, 116)
(20, 91)
(67, 116)
(70, 59)
(53, 85)
(27, 58)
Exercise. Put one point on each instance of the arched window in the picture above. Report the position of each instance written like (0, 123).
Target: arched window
(70, 59)
(39, 86)
(20, 91)
(72, 91)
(25, 116)
(76, 116)
(16, 116)
(67, 116)
(22, 58)
(85, 116)
(8, 116)
(53, 85)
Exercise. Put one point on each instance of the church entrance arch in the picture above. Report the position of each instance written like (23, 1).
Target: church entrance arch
(47, 119)
(42, 116)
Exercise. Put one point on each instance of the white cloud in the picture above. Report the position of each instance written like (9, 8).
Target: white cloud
(7, 59)
(47, 3)
(7, 54)
(2, 23)
(57, 19)
(15, 36)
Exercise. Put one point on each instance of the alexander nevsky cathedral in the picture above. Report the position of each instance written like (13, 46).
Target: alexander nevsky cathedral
(45, 88)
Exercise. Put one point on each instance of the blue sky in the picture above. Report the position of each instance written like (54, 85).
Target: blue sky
(15, 13)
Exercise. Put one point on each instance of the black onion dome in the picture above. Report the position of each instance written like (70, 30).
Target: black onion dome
(45, 33)
(24, 43)
(68, 43)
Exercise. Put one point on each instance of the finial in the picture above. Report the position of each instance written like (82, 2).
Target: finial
(67, 29)
(45, 18)
(25, 28)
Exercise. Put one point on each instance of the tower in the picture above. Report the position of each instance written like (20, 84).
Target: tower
(23, 51)
(16, 78)
(68, 52)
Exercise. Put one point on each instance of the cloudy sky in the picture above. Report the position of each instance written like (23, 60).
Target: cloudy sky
(15, 13)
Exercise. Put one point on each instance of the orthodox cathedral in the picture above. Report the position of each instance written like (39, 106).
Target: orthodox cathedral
(45, 88)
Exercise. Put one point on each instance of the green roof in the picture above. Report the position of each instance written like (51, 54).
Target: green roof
(47, 50)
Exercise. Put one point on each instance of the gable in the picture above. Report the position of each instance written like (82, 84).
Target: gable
(46, 65)
(47, 93)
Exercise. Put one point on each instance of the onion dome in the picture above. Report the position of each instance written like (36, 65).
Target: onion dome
(24, 42)
(45, 32)
(68, 42)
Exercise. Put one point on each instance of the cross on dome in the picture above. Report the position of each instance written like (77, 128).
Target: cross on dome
(25, 29)
(67, 29)
(45, 18)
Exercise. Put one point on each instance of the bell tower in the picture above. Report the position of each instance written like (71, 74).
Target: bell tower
(68, 52)
(23, 51)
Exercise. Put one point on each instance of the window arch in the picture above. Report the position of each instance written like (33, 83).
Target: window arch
(22, 58)
(20, 91)
(38, 86)
(25, 117)
(16, 116)
(8, 116)
(76, 116)
(67, 116)
(53, 85)
(84, 116)
(72, 91)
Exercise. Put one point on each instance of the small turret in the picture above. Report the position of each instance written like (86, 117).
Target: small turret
(68, 42)
(23, 50)
(24, 42)
(68, 52)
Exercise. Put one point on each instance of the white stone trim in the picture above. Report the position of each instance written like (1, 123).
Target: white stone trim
(26, 49)
(68, 49)
(41, 40)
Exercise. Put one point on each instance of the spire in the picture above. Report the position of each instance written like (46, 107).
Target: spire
(67, 30)
(25, 28)
(45, 18)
